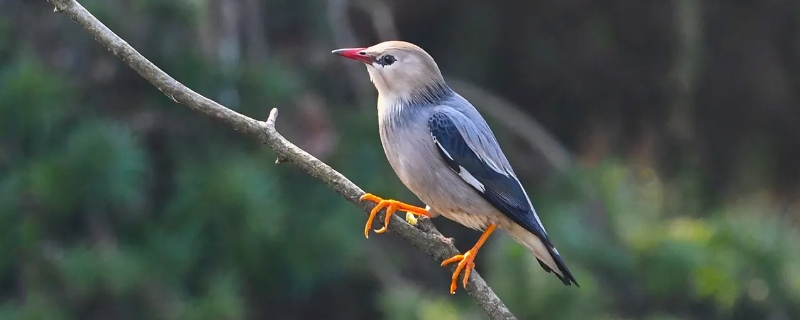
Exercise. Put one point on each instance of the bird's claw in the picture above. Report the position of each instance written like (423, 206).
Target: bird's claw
(391, 206)
(466, 262)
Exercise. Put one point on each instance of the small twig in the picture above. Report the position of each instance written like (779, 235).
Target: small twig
(273, 115)
(430, 242)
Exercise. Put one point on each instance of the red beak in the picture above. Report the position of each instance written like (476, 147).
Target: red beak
(357, 54)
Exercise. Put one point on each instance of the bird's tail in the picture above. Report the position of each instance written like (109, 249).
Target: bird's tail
(545, 253)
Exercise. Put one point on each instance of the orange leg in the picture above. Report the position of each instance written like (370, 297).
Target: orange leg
(466, 261)
(391, 207)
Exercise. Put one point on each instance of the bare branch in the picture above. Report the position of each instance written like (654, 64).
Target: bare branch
(430, 241)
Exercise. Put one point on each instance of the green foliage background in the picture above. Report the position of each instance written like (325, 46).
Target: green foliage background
(115, 203)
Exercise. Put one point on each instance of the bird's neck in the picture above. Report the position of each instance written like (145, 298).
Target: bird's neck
(432, 93)
(425, 94)
(394, 110)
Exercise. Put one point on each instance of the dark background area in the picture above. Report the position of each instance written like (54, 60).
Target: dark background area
(658, 140)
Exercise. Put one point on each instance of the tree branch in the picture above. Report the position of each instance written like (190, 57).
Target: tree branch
(430, 240)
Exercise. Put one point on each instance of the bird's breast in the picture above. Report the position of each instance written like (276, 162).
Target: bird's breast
(408, 147)
(472, 221)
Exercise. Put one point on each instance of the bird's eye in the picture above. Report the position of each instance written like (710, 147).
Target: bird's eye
(387, 60)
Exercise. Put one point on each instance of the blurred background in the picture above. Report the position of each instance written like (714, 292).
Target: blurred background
(659, 141)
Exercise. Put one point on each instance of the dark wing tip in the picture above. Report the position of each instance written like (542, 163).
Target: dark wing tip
(565, 276)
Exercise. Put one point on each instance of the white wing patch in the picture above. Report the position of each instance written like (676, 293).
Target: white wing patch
(463, 173)
(442, 148)
(469, 178)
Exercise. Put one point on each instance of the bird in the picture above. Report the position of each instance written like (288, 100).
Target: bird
(444, 152)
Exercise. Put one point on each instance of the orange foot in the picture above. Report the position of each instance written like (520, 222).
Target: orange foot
(391, 207)
(466, 262)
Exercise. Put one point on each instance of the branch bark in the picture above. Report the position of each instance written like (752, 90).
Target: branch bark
(425, 238)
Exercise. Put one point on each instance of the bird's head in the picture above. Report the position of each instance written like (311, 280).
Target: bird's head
(398, 69)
